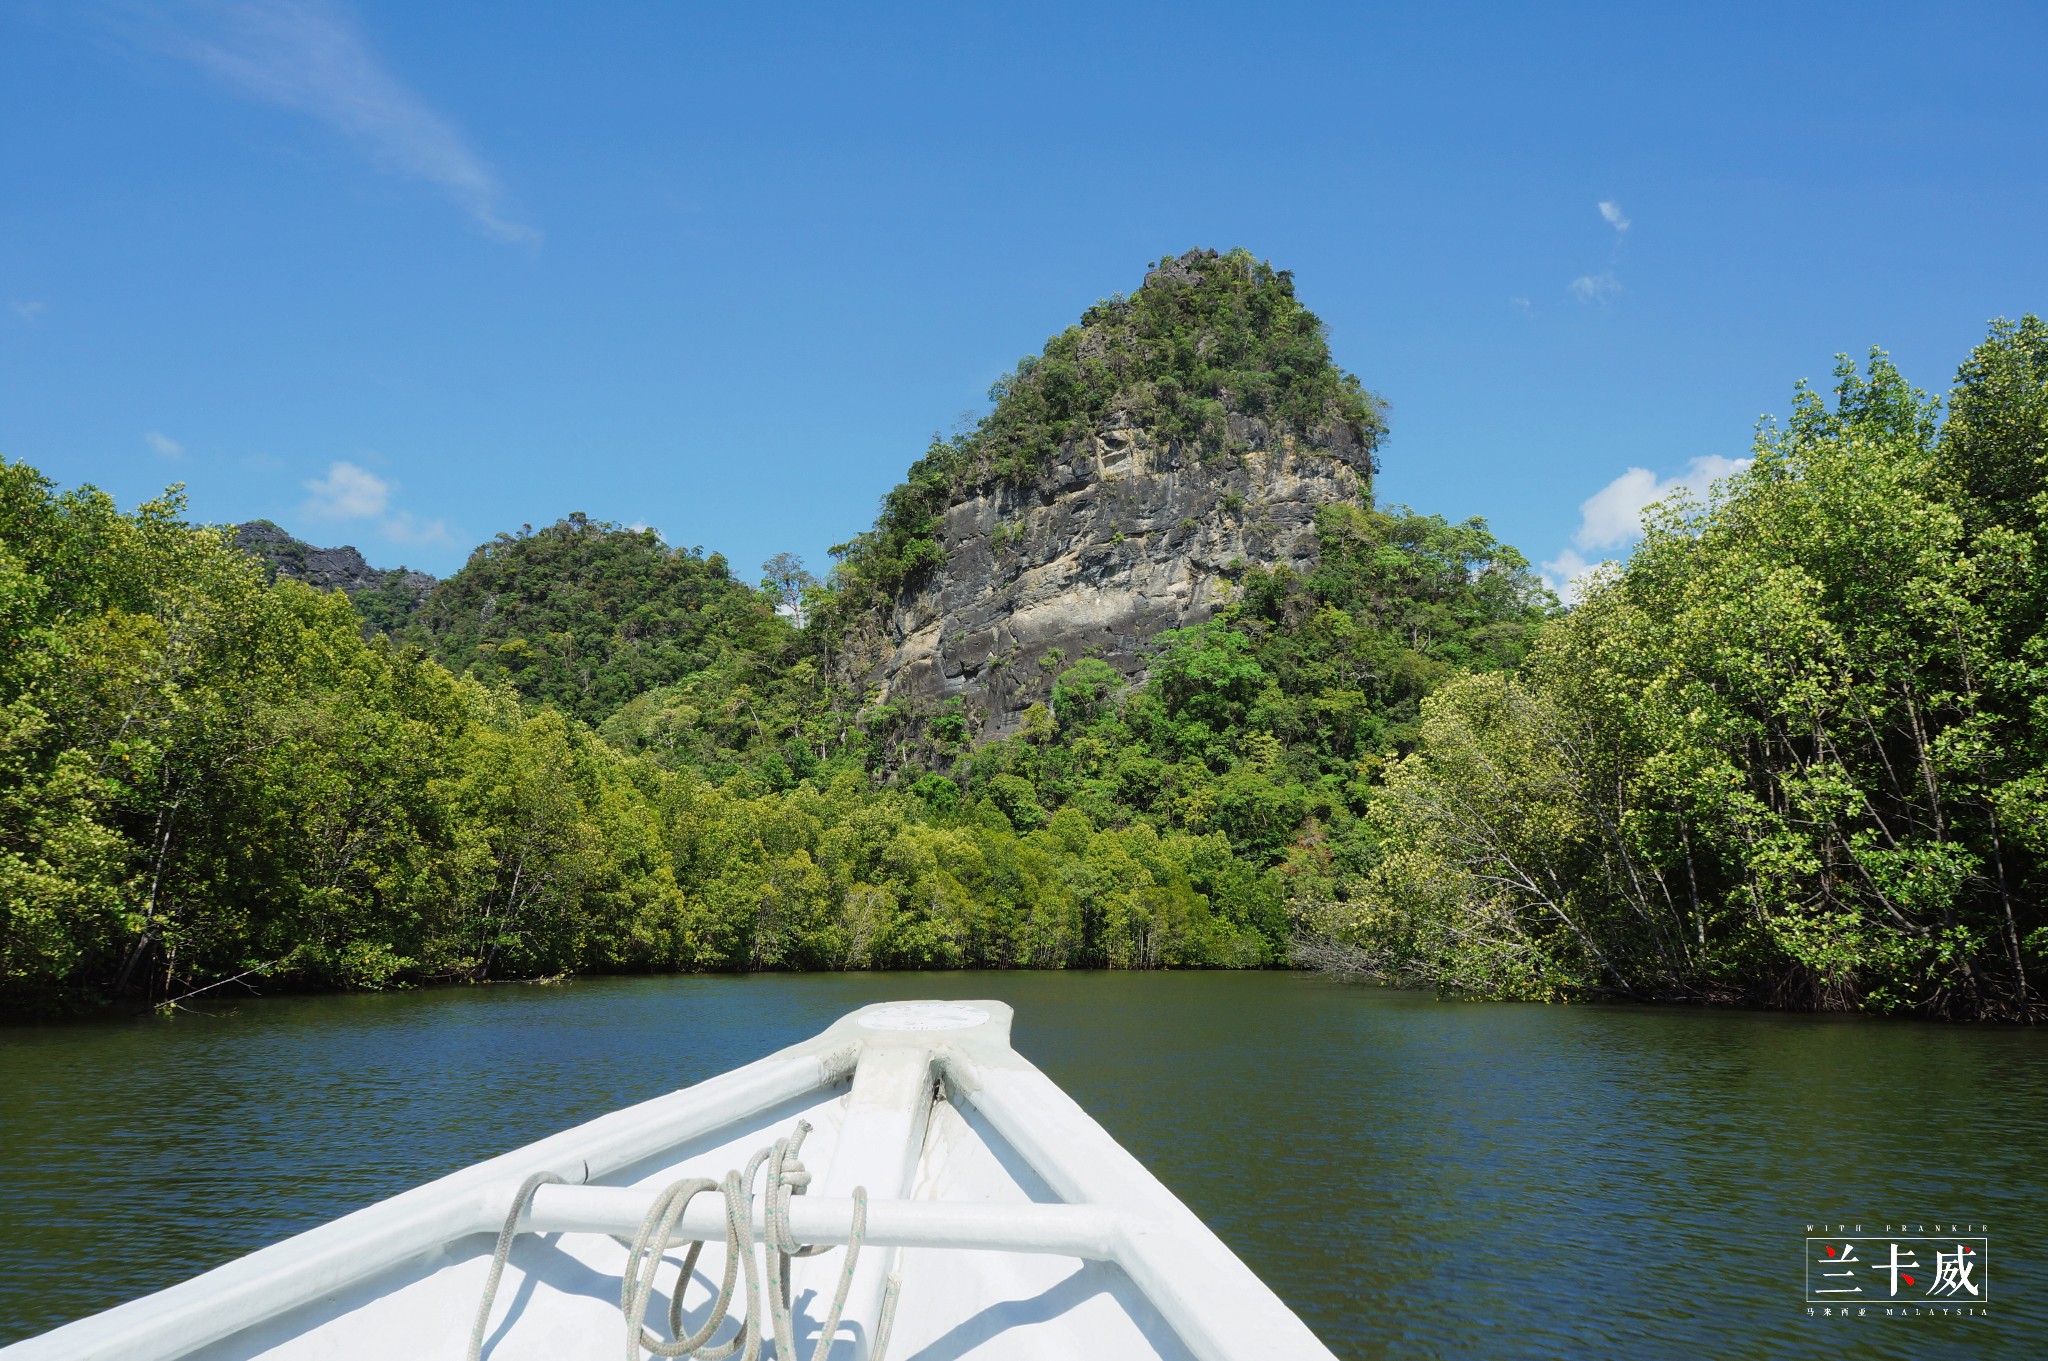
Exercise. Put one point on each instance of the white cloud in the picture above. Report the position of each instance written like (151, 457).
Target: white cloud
(1595, 287)
(1613, 517)
(310, 56)
(351, 492)
(162, 445)
(28, 309)
(1614, 514)
(1522, 305)
(1568, 574)
(1611, 211)
(348, 493)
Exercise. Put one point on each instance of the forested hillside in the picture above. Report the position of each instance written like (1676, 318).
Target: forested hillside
(583, 616)
(210, 779)
(1791, 753)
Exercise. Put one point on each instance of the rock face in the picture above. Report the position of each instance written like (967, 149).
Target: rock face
(1120, 539)
(330, 569)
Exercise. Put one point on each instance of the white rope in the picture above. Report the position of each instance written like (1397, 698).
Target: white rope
(787, 1177)
(483, 1308)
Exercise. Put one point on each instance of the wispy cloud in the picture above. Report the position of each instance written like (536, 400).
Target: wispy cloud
(1601, 287)
(1604, 285)
(28, 309)
(348, 493)
(1613, 517)
(310, 55)
(162, 445)
(404, 527)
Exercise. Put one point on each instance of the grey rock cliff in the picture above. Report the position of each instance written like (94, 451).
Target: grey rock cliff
(1122, 538)
(330, 569)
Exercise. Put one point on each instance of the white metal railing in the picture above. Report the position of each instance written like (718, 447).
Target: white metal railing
(1060, 1230)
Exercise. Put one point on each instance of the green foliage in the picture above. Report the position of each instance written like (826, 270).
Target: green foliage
(209, 780)
(940, 794)
(1792, 754)
(1207, 675)
(950, 724)
(1083, 688)
(1994, 446)
(388, 606)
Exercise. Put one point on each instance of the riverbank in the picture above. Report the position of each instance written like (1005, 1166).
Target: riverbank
(1327, 961)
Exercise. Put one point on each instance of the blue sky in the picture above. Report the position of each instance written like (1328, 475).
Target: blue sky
(407, 275)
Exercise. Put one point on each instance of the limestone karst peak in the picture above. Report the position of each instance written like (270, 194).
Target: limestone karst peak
(1125, 475)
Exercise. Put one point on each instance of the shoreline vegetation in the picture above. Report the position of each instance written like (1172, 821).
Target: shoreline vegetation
(1792, 753)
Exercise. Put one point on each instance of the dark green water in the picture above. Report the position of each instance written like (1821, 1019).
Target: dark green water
(1415, 1177)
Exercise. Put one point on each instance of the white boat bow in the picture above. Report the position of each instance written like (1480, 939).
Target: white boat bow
(996, 1220)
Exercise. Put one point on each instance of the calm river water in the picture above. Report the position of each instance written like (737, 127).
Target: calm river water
(1415, 1177)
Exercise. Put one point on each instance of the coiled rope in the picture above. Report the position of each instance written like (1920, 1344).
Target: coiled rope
(787, 1177)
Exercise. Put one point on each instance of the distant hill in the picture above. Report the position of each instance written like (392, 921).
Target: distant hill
(586, 615)
(581, 614)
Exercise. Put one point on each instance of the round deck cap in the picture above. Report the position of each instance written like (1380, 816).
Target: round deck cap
(924, 1016)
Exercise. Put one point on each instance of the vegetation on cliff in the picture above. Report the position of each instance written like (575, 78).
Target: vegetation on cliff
(1213, 349)
(1268, 724)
